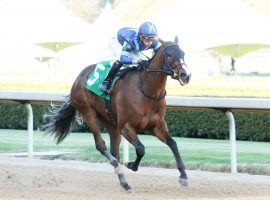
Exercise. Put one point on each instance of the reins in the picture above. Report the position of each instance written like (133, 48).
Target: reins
(166, 69)
(145, 94)
(134, 47)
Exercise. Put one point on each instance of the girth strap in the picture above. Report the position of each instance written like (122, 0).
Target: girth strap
(108, 109)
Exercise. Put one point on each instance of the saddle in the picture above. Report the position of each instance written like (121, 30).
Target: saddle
(100, 73)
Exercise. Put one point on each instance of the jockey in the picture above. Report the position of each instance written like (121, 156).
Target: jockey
(132, 41)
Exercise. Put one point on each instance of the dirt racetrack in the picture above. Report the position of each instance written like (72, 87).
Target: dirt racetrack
(25, 179)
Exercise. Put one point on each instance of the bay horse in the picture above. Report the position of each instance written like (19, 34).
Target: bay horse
(138, 104)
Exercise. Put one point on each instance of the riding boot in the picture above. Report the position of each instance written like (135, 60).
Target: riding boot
(106, 83)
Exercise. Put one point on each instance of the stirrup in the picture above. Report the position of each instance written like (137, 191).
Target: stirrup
(105, 87)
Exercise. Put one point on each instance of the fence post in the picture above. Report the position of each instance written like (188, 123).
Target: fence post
(233, 141)
(125, 150)
(30, 130)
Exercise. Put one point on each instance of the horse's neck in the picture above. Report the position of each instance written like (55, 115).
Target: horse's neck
(154, 82)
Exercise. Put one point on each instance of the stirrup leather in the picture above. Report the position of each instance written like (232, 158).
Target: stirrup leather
(105, 86)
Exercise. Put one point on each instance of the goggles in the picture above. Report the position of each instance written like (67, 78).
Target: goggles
(148, 39)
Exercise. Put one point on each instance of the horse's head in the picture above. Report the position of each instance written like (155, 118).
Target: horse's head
(174, 62)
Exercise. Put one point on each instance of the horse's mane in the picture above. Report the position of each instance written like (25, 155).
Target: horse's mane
(163, 43)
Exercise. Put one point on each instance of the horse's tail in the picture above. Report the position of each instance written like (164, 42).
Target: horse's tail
(61, 120)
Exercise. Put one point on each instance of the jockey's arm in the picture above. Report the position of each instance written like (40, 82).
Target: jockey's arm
(125, 58)
(156, 44)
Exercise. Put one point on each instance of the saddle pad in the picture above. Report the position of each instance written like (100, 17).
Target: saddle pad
(97, 76)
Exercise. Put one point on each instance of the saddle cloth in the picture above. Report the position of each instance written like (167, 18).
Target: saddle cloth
(97, 76)
(100, 73)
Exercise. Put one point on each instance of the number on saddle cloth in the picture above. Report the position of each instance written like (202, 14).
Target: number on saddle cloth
(100, 73)
(97, 76)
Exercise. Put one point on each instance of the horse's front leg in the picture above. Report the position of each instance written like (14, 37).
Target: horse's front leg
(115, 138)
(130, 134)
(162, 133)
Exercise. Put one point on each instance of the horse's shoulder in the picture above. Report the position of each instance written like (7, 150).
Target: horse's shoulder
(125, 77)
(126, 84)
(125, 71)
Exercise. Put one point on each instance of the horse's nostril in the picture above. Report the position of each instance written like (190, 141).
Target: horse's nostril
(183, 75)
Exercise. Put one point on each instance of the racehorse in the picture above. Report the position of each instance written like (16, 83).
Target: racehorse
(137, 103)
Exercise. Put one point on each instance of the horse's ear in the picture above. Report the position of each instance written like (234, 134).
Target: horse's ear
(176, 40)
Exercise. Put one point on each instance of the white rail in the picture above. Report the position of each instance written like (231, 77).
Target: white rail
(225, 105)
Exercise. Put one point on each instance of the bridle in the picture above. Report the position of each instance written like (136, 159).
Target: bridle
(166, 69)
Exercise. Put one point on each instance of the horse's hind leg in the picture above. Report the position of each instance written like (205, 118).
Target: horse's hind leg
(161, 132)
(130, 134)
(92, 122)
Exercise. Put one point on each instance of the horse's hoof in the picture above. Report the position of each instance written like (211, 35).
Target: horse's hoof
(183, 181)
(127, 188)
(129, 191)
(130, 165)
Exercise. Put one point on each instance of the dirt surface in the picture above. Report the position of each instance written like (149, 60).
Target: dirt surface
(21, 178)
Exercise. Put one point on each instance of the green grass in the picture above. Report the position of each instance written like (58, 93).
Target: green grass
(204, 154)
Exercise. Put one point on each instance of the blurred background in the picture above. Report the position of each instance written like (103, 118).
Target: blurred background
(44, 44)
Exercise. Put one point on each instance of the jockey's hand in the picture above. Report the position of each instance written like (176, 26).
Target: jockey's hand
(143, 63)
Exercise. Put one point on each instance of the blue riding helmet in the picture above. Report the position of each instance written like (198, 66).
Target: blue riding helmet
(148, 29)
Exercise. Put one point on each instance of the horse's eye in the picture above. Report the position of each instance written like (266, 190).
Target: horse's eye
(169, 55)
